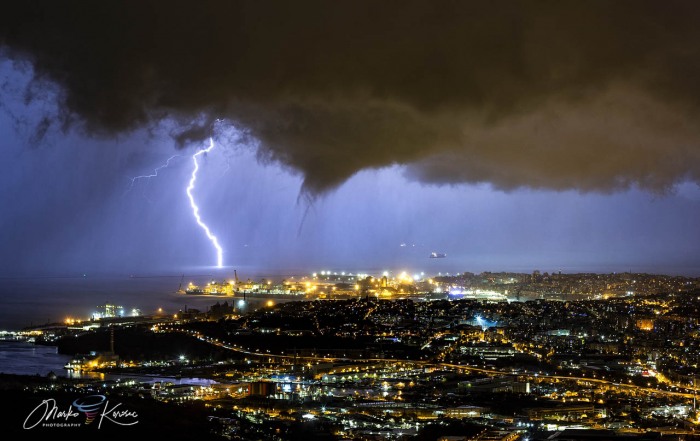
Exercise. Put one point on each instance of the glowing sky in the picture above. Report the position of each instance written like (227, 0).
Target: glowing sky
(558, 137)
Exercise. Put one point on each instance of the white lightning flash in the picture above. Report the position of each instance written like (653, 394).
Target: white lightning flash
(154, 174)
(195, 208)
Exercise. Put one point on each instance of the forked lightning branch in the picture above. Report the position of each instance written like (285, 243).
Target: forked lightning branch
(193, 204)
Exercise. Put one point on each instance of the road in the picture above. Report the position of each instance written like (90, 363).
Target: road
(459, 367)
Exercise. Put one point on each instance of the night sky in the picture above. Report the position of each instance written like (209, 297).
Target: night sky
(350, 135)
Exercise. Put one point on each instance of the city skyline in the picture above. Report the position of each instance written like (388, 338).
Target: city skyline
(578, 357)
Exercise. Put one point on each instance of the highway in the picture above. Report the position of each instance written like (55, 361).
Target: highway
(532, 376)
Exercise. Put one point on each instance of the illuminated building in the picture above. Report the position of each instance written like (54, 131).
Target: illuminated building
(645, 324)
(108, 310)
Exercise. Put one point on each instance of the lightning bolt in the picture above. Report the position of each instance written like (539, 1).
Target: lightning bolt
(155, 172)
(195, 208)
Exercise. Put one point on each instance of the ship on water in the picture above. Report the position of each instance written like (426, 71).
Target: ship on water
(435, 255)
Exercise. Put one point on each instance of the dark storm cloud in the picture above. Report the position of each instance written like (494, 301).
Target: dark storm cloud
(594, 96)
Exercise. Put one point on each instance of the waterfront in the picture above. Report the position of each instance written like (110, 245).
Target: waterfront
(22, 358)
(571, 352)
(33, 301)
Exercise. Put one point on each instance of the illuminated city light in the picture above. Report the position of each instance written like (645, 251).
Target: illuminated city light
(448, 351)
(195, 208)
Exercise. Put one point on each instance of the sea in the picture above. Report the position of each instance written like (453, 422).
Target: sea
(23, 358)
(39, 300)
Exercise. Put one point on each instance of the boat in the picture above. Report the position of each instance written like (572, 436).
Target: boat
(435, 255)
